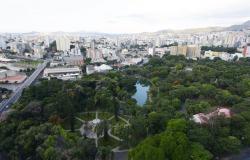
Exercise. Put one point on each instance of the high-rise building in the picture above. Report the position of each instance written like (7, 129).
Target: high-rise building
(62, 43)
(246, 51)
(193, 51)
(173, 50)
(158, 42)
(189, 51)
(151, 51)
(178, 50)
(118, 44)
(92, 44)
(2, 43)
(93, 53)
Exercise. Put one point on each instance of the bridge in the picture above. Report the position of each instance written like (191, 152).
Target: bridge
(5, 104)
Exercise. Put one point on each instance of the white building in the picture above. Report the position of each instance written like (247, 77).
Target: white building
(132, 61)
(2, 43)
(222, 55)
(103, 68)
(6, 60)
(238, 55)
(62, 43)
(158, 42)
(63, 73)
(151, 51)
(90, 69)
(124, 52)
(38, 51)
(75, 52)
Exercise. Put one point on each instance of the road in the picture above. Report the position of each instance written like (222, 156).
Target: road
(18, 92)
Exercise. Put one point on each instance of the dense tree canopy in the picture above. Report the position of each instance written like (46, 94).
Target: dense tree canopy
(43, 123)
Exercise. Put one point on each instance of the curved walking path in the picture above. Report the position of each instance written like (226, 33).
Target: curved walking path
(80, 119)
(113, 136)
(124, 120)
(110, 130)
(91, 135)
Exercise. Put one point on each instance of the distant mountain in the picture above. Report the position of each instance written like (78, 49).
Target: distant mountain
(199, 30)
(93, 34)
(240, 27)
(185, 31)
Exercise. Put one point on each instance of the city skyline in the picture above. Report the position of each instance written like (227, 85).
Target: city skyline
(110, 16)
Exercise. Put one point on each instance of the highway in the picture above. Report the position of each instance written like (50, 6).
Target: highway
(5, 105)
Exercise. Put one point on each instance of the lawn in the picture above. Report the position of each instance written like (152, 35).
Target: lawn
(28, 63)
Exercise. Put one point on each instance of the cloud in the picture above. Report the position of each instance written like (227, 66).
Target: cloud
(136, 18)
(120, 15)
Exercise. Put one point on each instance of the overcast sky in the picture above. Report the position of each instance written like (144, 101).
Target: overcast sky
(119, 16)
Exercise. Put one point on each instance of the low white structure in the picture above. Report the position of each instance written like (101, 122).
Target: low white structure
(222, 55)
(63, 73)
(101, 69)
(90, 69)
(132, 61)
(2, 59)
(238, 55)
(151, 51)
(200, 118)
(95, 122)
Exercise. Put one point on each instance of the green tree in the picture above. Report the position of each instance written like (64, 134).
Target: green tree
(199, 153)
(88, 61)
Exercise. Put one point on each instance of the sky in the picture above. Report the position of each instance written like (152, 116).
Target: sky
(119, 16)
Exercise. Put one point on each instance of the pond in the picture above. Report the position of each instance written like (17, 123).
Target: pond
(141, 94)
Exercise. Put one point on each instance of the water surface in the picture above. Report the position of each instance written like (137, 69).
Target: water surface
(141, 94)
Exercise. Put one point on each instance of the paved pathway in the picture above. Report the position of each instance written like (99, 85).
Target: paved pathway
(120, 154)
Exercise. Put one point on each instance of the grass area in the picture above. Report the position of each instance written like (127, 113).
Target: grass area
(117, 130)
(28, 63)
(86, 116)
(108, 142)
(115, 122)
(116, 125)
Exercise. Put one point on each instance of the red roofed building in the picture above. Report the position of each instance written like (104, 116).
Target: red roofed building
(204, 118)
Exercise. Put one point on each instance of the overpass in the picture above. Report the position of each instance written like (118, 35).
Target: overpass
(4, 105)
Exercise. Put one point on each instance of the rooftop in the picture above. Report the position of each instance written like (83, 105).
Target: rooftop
(62, 70)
